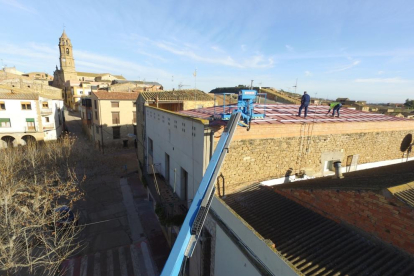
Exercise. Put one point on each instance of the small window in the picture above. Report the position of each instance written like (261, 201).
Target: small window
(45, 105)
(94, 102)
(2, 106)
(67, 51)
(5, 122)
(115, 118)
(114, 104)
(47, 119)
(97, 129)
(134, 117)
(96, 115)
(134, 104)
(26, 106)
(30, 123)
(116, 132)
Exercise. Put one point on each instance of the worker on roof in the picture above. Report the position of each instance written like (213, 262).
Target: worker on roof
(335, 106)
(304, 103)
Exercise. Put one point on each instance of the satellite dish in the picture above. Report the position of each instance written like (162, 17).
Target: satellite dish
(130, 135)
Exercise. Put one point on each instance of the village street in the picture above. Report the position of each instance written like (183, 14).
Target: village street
(121, 234)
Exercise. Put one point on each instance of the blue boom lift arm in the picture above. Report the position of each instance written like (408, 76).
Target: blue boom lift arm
(193, 224)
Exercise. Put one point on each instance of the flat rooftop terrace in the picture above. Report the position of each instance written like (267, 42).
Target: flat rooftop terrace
(280, 114)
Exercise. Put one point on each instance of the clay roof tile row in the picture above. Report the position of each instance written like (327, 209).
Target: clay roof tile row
(177, 95)
(116, 95)
(287, 114)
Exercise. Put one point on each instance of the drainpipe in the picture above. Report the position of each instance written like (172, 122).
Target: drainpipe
(100, 122)
(175, 178)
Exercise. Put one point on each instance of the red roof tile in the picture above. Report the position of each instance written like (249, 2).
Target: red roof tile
(287, 114)
(116, 95)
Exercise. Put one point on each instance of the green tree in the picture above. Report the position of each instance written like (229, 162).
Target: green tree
(34, 180)
(409, 103)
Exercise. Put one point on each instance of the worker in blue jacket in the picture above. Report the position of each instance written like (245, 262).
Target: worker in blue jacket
(304, 103)
(335, 106)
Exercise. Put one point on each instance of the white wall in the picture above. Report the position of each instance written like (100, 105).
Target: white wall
(56, 106)
(18, 116)
(226, 263)
(182, 138)
(229, 260)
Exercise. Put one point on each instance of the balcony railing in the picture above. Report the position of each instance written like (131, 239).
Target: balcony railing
(30, 129)
(48, 126)
(46, 111)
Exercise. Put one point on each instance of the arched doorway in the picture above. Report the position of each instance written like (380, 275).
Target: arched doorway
(28, 139)
(7, 141)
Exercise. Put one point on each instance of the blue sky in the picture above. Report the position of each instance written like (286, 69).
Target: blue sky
(363, 50)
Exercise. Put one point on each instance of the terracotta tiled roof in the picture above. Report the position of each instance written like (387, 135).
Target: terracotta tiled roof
(177, 95)
(116, 95)
(86, 74)
(287, 114)
(17, 94)
(313, 244)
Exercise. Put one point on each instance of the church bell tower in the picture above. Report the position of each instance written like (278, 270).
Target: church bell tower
(67, 63)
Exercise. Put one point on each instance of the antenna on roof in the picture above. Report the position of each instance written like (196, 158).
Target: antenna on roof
(195, 79)
(296, 85)
(180, 85)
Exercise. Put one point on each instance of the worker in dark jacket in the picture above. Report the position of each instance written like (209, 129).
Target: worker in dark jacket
(304, 103)
(335, 106)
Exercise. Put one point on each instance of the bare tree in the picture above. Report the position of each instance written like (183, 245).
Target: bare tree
(34, 181)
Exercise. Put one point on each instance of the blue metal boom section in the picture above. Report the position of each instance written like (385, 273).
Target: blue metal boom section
(191, 229)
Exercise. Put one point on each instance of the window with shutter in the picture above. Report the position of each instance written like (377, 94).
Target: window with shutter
(5, 122)
(115, 118)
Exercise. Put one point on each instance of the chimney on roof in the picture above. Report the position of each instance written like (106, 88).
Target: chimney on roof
(338, 173)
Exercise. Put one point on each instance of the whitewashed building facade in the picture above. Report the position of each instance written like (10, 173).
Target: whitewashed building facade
(28, 116)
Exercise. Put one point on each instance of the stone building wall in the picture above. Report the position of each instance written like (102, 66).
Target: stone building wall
(33, 86)
(197, 104)
(251, 160)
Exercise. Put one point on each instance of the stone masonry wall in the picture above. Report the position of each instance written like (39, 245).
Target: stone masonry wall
(253, 160)
(197, 104)
(388, 219)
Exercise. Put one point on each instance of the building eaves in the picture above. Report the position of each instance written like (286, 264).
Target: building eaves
(177, 95)
(116, 95)
(311, 243)
(87, 74)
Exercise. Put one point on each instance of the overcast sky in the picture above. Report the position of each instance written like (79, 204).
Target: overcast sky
(362, 50)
